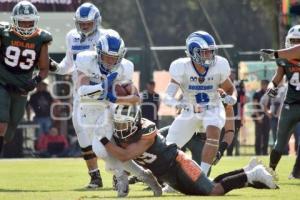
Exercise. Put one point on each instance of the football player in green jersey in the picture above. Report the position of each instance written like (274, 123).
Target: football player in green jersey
(23, 47)
(288, 65)
(138, 139)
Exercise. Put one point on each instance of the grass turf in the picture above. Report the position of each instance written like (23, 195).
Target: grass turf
(63, 179)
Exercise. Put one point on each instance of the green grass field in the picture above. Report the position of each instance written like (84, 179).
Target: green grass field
(55, 179)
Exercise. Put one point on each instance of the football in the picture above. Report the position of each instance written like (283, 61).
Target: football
(122, 90)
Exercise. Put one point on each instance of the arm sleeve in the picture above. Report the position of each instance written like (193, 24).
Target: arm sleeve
(176, 72)
(66, 65)
(169, 98)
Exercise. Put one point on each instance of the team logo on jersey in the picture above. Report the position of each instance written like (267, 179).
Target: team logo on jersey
(76, 39)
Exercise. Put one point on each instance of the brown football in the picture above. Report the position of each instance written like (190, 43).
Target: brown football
(121, 90)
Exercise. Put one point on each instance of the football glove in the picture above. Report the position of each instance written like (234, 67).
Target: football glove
(107, 86)
(267, 54)
(272, 90)
(53, 65)
(32, 83)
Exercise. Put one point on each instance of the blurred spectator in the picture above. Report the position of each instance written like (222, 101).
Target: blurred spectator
(272, 107)
(261, 121)
(40, 102)
(52, 144)
(150, 103)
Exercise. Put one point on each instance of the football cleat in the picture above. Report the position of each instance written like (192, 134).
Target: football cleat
(294, 175)
(148, 178)
(168, 189)
(252, 163)
(96, 180)
(261, 175)
(122, 185)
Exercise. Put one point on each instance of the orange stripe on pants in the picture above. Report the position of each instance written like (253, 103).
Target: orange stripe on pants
(189, 166)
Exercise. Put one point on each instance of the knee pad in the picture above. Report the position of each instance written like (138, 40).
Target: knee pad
(88, 155)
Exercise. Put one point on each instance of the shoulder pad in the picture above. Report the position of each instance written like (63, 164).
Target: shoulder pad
(148, 127)
(46, 36)
(3, 26)
(176, 69)
(85, 61)
(125, 71)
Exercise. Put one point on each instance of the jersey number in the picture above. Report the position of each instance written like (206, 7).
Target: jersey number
(13, 54)
(202, 98)
(146, 158)
(295, 81)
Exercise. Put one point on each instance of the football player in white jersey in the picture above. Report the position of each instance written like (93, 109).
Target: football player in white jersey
(98, 73)
(200, 76)
(84, 37)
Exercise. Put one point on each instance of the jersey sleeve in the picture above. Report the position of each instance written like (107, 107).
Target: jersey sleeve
(85, 61)
(176, 71)
(46, 37)
(225, 70)
(66, 65)
(3, 26)
(149, 129)
(127, 72)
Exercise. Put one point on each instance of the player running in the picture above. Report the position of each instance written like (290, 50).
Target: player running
(23, 47)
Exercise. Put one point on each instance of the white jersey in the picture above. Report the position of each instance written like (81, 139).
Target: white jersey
(87, 63)
(75, 45)
(194, 92)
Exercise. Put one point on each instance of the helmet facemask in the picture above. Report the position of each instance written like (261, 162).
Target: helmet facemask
(110, 61)
(204, 57)
(86, 28)
(126, 122)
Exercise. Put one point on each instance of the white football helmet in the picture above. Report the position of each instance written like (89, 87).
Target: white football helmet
(111, 50)
(293, 36)
(126, 120)
(25, 11)
(87, 12)
(201, 48)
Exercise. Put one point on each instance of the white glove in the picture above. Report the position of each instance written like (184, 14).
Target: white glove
(229, 100)
(267, 54)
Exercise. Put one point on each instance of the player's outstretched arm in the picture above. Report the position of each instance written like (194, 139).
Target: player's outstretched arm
(272, 89)
(290, 53)
(130, 152)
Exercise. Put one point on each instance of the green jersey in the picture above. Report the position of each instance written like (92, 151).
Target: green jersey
(291, 70)
(19, 55)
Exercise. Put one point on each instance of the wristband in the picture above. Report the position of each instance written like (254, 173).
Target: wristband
(104, 141)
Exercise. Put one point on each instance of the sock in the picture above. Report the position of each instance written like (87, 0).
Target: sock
(1, 143)
(234, 182)
(274, 159)
(222, 176)
(94, 173)
(205, 167)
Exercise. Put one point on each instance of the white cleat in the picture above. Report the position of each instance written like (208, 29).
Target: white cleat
(151, 181)
(260, 174)
(252, 163)
(122, 185)
(168, 189)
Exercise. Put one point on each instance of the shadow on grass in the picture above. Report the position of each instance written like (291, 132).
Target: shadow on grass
(20, 190)
(91, 190)
(290, 183)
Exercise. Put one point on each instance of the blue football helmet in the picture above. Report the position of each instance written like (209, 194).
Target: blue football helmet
(201, 48)
(86, 13)
(111, 50)
(25, 11)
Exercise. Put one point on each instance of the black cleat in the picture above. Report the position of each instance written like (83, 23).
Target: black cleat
(96, 180)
